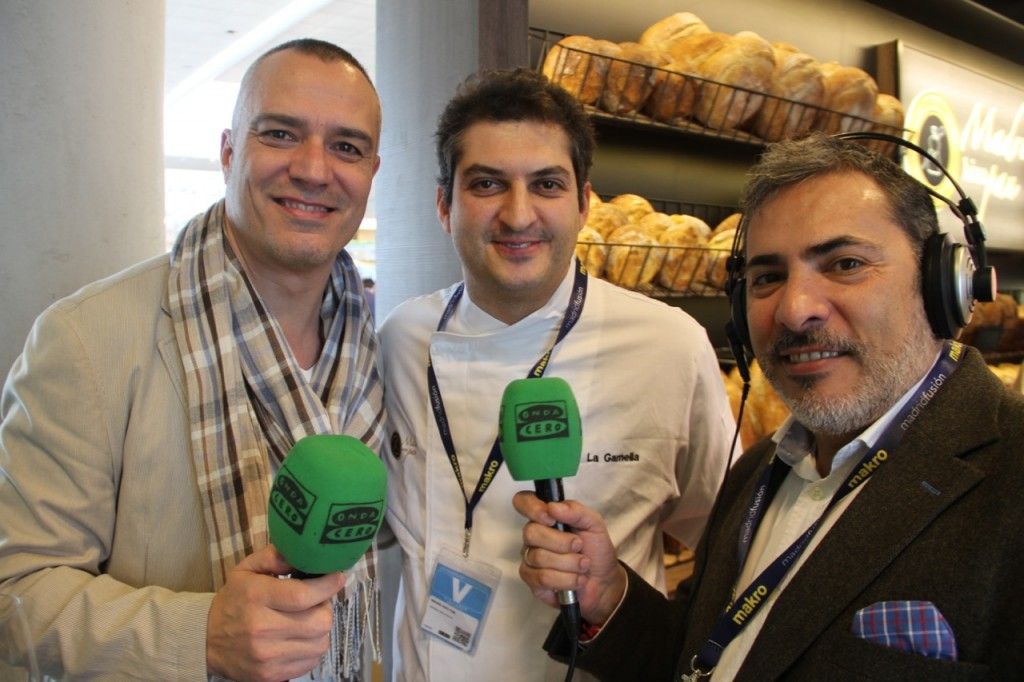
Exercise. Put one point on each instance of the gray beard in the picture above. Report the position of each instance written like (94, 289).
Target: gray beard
(887, 376)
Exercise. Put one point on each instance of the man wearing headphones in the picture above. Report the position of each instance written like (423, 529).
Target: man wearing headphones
(879, 530)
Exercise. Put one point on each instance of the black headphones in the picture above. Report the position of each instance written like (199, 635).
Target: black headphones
(953, 276)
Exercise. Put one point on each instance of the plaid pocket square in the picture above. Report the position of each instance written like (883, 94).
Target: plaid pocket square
(915, 626)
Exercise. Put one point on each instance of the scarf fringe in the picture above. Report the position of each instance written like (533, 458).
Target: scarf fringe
(357, 618)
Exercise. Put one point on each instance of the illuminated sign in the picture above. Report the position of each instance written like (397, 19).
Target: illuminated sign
(974, 125)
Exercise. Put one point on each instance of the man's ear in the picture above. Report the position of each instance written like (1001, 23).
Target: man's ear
(444, 211)
(585, 202)
(226, 152)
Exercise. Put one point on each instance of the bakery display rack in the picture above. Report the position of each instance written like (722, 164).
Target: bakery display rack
(663, 271)
(619, 91)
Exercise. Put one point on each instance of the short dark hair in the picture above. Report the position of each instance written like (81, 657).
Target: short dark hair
(513, 95)
(792, 161)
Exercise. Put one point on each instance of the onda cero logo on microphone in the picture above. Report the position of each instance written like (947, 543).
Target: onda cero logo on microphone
(291, 500)
(351, 522)
(541, 421)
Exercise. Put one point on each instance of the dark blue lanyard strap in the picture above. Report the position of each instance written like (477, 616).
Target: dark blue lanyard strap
(495, 458)
(744, 607)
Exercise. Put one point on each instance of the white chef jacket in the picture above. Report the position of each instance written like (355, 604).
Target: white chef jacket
(656, 428)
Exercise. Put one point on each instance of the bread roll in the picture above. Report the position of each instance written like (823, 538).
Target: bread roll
(781, 46)
(692, 225)
(672, 28)
(591, 250)
(684, 264)
(635, 206)
(888, 118)
(730, 222)
(654, 224)
(631, 78)
(691, 50)
(716, 273)
(595, 198)
(746, 61)
(606, 218)
(632, 262)
(674, 95)
(849, 93)
(796, 77)
(993, 325)
(580, 65)
(1007, 373)
(767, 411)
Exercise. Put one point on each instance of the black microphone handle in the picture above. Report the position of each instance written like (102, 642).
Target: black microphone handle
(550, 490)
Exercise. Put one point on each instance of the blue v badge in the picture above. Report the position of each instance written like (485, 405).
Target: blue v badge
(461, 592)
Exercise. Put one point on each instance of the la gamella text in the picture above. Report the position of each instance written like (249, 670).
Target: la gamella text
(609, 457)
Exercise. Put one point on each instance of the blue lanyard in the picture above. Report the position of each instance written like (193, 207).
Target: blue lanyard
(495, 458)
(744, 607)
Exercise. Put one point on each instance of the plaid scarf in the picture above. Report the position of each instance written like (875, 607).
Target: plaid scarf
(249, 403)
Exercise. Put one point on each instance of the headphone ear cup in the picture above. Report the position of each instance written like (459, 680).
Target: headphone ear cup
(938, 286)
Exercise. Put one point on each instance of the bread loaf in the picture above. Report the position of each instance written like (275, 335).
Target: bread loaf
(746, 61)
(654, 224)
(632, 262)
(684, 264)
(580, 65)
(697, 229)
(691, 50)
(632, 76)
(591, 251)
(635, 206)
(767, 411)
(730, 222)
(716, 272)
(798, 82)
(734, 390)
(887, 118)
(850, 95)
(606, 218)
(674, 94)
(671, 28)
(1007, 372)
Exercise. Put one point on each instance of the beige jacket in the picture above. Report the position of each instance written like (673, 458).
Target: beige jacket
(101, 526)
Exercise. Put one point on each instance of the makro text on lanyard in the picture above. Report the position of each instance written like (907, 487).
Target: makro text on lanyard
(495, 458)
(744, 607)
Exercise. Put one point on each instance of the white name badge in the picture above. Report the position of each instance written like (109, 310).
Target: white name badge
(461, 593)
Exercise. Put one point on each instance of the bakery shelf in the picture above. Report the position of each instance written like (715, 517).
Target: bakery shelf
(658, 271)
(662, 270)
(711, 214)
(728, 102)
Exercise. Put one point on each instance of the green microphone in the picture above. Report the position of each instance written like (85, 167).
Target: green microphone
(541, 437)
(541, 440)
(326, 504)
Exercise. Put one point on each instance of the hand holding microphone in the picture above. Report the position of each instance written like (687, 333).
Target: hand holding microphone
(326, 505)
(541, 441)
(567, 548)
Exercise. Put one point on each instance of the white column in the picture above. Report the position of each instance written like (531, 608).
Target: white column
(81, 175)
(424, 49)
